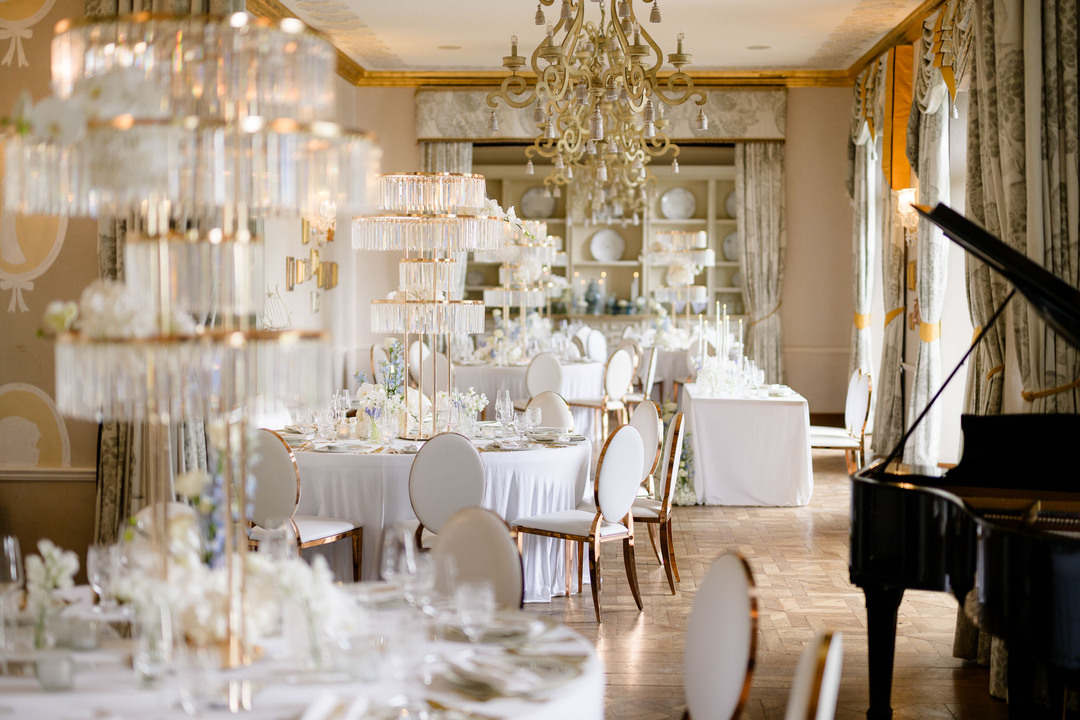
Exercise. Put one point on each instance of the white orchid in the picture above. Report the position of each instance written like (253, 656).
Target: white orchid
(60, 315)
(52, 569)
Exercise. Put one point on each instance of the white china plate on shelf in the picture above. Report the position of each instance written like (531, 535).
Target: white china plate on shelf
(534, 204)
(730, 248)
(678, 204)
(607, 245)
(729, 204)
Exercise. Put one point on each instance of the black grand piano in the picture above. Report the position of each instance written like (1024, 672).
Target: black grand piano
(1004, 523)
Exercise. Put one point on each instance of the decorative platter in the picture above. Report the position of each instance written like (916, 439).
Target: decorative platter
(607, 245)
(535, 204)
(729, 204)
(678, 203)
(730, 247)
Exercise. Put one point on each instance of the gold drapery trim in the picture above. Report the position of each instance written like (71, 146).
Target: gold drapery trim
(975, 333)
(994, 371)
(862, 320)
(1029, 396)
(892, 314)
(766, 317)
(897, 108)
(929, 332)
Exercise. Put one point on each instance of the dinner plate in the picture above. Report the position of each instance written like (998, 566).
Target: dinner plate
(505, 625)
(607, 245)
(535, 204)
(342, 447)
(678, 203)
(507, 674)
(730, 248)
(729, 204)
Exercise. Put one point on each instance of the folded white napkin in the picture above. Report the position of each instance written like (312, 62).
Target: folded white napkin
(494, 672)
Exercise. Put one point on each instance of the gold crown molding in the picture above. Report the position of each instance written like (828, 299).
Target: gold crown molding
(907, 31)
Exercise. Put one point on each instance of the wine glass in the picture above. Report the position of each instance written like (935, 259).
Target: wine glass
(102, 563)
(11, 580)
(504, 410)
(398, 554)
(475, 605)
(532, 417)
(389, 425)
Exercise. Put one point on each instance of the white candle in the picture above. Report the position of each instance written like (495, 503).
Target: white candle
(634, 288)
(719, 340)
(701, 341)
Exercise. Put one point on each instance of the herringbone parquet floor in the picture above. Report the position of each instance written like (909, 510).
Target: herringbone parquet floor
(799, 559)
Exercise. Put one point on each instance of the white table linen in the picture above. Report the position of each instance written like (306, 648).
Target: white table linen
(670, 366)
(373, 490)
(105, 689)
(579, 380)
(749, 451)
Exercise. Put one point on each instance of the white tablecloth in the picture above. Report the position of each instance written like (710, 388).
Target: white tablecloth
(373, 490)
(105, 688)
(750, 451)
(670, 366)
(579, 380)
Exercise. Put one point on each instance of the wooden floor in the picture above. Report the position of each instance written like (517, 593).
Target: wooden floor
(799, 559)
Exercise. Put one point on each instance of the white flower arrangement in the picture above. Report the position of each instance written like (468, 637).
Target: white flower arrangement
(111, 310)
(52, 569)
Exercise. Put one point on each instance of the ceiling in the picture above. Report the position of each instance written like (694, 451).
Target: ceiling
(732, 41)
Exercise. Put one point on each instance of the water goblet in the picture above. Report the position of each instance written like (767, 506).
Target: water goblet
(504, 410)
(11, 580)
(532, 417)
(398, 554)
(102, 565)
(475, 605)
(521, 426)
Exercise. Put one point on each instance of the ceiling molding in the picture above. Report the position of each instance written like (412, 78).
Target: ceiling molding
(907, 31)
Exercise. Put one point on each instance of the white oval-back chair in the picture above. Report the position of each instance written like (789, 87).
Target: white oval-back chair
(277, 495)
(596, 346)
(647, 376)
(379, 356)
(554, 412)
(721, 641)
(544, 374)
(446, 476)
(479, 545)
(618, 373)
(618, 475)
(817, 679)
(851, 437)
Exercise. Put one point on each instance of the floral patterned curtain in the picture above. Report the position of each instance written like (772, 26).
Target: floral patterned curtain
(759, 199)
(928, 152)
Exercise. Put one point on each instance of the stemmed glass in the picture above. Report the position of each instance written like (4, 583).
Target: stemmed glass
(398, 554)
(532, 418)
(11, 580)
(475, 605)
(504, 410)
(102, 564)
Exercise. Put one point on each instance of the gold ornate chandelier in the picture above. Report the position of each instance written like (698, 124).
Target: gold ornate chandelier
(598, 96)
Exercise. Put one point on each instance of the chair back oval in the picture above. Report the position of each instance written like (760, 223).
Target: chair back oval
(482, 550)
(554, 411)
(851, 402)
(673, 444)
(544, 373)
(277, 481)
(446, 475)
(724, 615)
(378, 357)
(648, 377)
(817, 679)
(582, 332)
(634, 348)
(596, 346)
(419, 353)
(579, 345)
(618, 374)
(860, 407)
(618, 473)
(646, 418)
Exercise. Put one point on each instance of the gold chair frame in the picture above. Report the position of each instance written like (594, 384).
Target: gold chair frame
(660, 527)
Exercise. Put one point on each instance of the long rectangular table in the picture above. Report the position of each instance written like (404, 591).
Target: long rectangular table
(749, 451)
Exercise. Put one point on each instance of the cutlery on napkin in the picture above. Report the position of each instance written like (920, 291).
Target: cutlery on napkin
(492, 671)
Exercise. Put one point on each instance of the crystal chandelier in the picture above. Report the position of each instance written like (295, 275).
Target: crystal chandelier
(597, 94)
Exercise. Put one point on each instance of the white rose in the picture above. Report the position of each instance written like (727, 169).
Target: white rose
(60, 315)
(191, 484)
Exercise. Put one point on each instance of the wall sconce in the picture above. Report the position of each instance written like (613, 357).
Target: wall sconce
(315, 233)
(909, 219)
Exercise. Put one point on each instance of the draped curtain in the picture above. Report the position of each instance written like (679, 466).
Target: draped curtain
(865, 234)
(928, 152)
(889, 411)
(455, 157)
(759, 199)
(122, 453)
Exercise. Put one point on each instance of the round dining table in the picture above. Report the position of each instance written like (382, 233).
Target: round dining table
(370, 487)
(579, 380)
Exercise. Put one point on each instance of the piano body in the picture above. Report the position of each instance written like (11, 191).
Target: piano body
(1004, 523)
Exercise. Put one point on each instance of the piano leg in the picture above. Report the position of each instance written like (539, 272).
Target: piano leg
(881, 606)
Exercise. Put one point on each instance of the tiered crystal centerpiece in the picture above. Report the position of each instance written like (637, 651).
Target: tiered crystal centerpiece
(684, 254)
(429, 217)
(528, 253)
(188, 131)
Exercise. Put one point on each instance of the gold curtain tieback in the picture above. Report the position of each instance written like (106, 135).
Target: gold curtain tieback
(929, 332)
(994, 371)
(975, 333)
(766, 317)
(1029, 396)
(891, 315)
(862, 320)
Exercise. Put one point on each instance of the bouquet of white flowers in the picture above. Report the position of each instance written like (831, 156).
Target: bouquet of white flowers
(53, 569)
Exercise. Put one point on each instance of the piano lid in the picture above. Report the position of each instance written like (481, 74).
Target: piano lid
(1057, 302)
